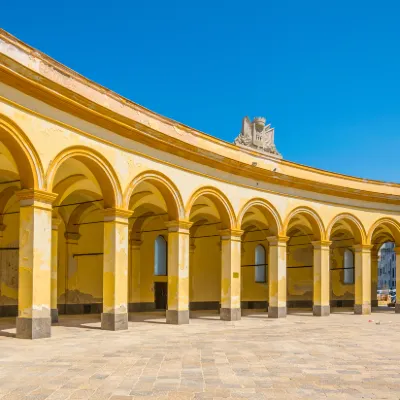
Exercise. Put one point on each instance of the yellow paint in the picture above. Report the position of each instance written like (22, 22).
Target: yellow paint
(121, 156)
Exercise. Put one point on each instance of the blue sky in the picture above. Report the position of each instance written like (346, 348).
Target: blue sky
(326, 74)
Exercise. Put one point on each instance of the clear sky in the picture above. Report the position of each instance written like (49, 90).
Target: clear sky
(326, 74)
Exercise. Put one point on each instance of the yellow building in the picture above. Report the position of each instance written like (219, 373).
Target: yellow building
(107, 207)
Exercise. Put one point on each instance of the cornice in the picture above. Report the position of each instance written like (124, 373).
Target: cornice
(55, 94)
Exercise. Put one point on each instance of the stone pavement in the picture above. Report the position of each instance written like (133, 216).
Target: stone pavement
(301, 357)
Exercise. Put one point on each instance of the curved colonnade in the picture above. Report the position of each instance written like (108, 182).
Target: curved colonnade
(96, 220)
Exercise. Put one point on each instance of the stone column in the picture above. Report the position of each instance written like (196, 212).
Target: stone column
(397, 306)
(277, 276)
(362, 271)
(230, 275)
(34, 321)
(115, 270)
(54, 265)
(135, 271)
(374, 278)
(178, 272)
(321, 292)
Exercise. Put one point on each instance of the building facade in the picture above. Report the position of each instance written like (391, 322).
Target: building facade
(387, 267)
(107, 207)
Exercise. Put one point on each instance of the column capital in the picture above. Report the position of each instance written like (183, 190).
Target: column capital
(277, 240)
(365, 248)
(319, 244)
(179, 226)
(135, 244)
(55, 223)
(72, 236)
(116, 214)
(231, 234)
(28, 197)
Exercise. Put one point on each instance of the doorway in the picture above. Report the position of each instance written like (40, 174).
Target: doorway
(160, 295)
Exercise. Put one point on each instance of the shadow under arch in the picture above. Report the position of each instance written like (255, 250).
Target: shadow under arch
(354, 223)
(270, 212)
(26, 157)
(223, 205)
(98, 165)
(392, 230)
(311, 216)
(167, 188)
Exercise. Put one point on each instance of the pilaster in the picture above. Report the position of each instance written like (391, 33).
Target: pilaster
(277, 276)
(34, 300)
(321, 289)
(362, 260)
(115, 270)
(178, 272)
(54, 266)
(230, 276)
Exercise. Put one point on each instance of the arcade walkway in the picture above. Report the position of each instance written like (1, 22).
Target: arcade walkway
(298, 357)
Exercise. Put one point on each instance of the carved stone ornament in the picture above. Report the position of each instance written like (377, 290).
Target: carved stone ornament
(257, 136)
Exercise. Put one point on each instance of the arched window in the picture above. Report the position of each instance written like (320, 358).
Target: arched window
(260, 264)
(348, 265)
(160, 256)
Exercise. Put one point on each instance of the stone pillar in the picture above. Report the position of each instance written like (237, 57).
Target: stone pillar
(34, 321)
(374, 278)
(277, 276)
(134, 278)
(178, 272)
(54, 265)
(321, 289)
(397, 306)
(115, 270)
(230, 274)
(362, 274)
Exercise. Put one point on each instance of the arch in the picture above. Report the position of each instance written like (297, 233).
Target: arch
(166, 187)
(355, 224)
(312, 217)
(98, 165)
(222, 203)
(268, 210)
(27, 159)
(391, 224)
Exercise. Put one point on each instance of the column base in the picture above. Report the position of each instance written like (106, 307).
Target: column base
(374, 303)
(321, 311)
(230, 314)
(54, 315)
(277, 312)
(33, 328)
(362, 309)
(175, 317)
(397, 308)
(114, 322)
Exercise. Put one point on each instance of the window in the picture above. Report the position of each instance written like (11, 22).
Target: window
(160, 256)
(260, 267)
(348, 263)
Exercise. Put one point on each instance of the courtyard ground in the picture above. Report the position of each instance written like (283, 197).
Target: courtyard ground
(338, 357)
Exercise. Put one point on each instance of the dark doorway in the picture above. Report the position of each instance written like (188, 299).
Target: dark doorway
(160, 295)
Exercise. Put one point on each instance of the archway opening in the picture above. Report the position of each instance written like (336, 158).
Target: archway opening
(385, 239)
(303, 228)
(344, 235)
(153, 205)
(83, 192)
(258, 223)
(209, 216)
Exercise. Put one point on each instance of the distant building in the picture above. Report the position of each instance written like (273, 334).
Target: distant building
(387, 267)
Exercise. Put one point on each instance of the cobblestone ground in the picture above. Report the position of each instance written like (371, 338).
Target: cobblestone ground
(301, 357)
